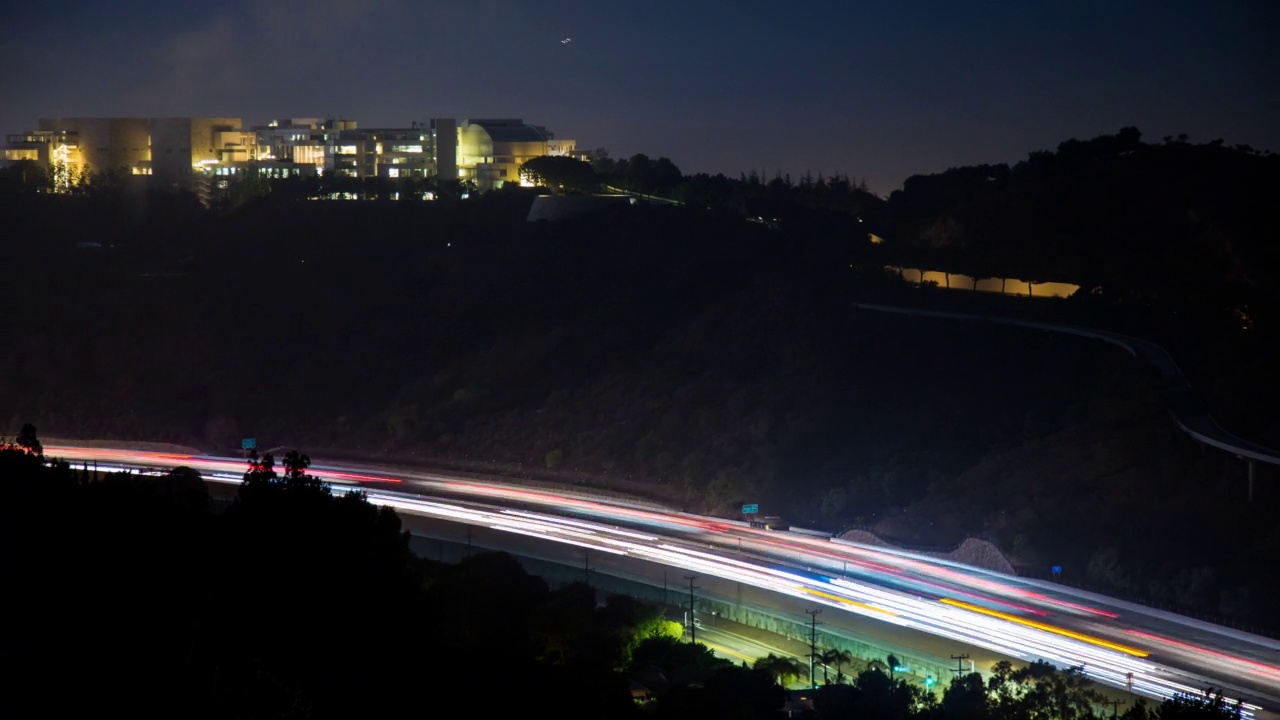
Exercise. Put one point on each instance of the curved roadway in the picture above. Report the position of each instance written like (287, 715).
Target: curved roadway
(1187, 410)
(1150, 652)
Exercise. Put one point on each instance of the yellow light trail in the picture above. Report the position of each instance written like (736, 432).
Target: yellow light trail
(847, 601)
(1047, 628)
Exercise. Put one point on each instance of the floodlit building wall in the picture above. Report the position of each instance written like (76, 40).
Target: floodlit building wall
(1004, 286)
(181, 146)
(106, 144)
(475, 148)
(491, 151)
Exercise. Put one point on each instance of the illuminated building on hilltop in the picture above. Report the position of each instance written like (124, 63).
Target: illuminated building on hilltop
(194, 153)
(173, 151)
(490, 152)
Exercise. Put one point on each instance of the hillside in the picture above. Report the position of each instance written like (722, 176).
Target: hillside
(712, 360)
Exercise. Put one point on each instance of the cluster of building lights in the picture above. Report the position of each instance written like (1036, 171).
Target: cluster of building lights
(186, 153)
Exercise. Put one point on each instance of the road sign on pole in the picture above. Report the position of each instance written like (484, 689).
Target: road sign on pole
(751, 509)
(248, 444)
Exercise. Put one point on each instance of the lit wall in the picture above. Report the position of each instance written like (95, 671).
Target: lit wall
(474, 148)
(181, 146)
(1004, 286)
(106, 144)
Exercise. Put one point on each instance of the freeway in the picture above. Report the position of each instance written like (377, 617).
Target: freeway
(1146, 651)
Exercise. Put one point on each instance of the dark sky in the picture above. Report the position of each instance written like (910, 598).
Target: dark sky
(880, 90)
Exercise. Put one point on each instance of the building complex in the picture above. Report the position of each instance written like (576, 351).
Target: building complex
(197, 153)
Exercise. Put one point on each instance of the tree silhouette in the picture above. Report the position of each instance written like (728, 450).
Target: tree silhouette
(783, 669)
(1210, 705)
(559, 173)
(965, 698)
(28, 441)
(840, 658)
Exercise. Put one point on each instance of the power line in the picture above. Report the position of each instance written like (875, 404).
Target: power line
(959, 663)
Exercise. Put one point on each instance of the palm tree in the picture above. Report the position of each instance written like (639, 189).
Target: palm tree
(783, 669)
(839, 657)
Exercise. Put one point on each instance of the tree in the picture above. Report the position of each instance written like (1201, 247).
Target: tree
(881, 697)
(677, 659)
(295, 472)
(28, 441)
(24, 176)
(262, 470)
(839, 658)
(1211, 705)
(965, 698)
(184, 486)
(600, 160)
(633, 622)
(1040, 690)
(559, 173)
(783, 669)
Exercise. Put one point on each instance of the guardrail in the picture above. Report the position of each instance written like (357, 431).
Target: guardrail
(654, 198)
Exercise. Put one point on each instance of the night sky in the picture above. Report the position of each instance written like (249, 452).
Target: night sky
(877, 90)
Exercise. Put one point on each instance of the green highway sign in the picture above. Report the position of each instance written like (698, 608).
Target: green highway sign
(751, 509)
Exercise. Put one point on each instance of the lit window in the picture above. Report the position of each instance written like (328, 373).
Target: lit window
(393, 172)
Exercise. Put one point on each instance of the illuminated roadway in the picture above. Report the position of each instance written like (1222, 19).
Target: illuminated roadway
(1150, 652)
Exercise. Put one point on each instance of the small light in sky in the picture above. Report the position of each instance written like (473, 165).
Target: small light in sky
(566, 41)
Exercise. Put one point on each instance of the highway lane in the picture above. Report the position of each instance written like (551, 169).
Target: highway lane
(1155, 653)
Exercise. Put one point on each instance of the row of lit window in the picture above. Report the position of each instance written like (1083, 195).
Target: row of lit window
(265, 171)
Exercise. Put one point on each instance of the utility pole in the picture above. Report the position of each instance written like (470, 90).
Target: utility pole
(1115, 705)
(959, 663)
(813, 644)
(586, 566)
(693, 627)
